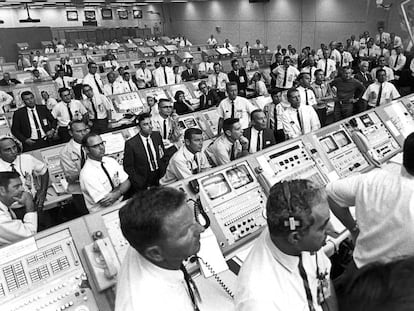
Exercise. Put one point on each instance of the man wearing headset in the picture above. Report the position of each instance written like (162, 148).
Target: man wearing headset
(27, 166)
(287, 269)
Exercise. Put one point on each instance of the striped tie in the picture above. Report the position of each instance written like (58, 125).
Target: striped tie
(304, 277)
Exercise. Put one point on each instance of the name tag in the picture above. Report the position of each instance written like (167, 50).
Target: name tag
(45, 123)
(242, 79)
(115, 180)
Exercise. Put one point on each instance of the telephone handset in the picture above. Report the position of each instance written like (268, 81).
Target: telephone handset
(199, 212)
(363, 145)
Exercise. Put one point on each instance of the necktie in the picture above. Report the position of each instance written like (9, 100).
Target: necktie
(97, 84)
(299, 120)
(13, 169)
(326, 67)
(190, 286)
(39, 134)
(259, 145)
(396, 60)
(368, 52)
(63, 82)
(379, 95)
(83, 159)
(217, 81)
(365, 76)
(203, 100)
(197, 170)
(310, 72)
(342, 60)
(107, 175)
(274, 119)
(165, 76)
(95, 113)
(232, 109)
(165, 129)
(304, 277)
(112, 89)
(151, 156)
(285, 77)
(382, 52)
(232, 153)
(306, 96)
(70, 112)
(175, 79)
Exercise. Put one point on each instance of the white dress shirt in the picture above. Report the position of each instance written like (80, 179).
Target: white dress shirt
(95, 184)
(211, 41)
(245, 50)
(219, 151)
(310, 71)
(143, 76)
(50, 103)
(308, 122)
(242, 110)
(145, 286)
(89, 79)
(206, 67)
(292, 74)
(389, 93)
(384, 37)
(159, 76)
(335, 55)
(158, 125)
(270, 280)
(273, 112)
(12, 229)
(5, 100)
(397, 64)
(101, 104)
(129, 86)
(345, 59)
(112, 89)
(61, 112)
(64, 82)
(306, 93)
(259, 87)
(218, 81)
(112, 64)
(369, 52)
(384, 212)
(148, 141)
(330, 68)
(182, 165)
(388, 72)
(32, 123)
(70, 162)
(253, 140)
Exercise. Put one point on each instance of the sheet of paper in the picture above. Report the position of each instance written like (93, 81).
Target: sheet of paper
(211, 254)
(114, 143)
(16, 250)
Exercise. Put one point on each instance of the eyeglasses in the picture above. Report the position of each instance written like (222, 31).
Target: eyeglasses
(101, 144)
(167, 107)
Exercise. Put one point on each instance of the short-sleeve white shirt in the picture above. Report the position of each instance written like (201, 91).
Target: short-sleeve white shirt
(242, 109)
(61, 113)
(389, 93)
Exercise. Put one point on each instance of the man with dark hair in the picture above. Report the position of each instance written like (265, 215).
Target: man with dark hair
(11, 229)
(274, 112)
(188, 160)
(378, 195)
(99, 109)
(33, 124)
(258, 135)
(102, 179)
(287, 269)
(307, 95)
(164, 74)
(143, 75)
(323, 94)
(380, 92)
(113, 86)
(143, 156)
(285, 74)
(8, 81)
(191, 73)
(93, 78)
(238, 75)
(209, 97)
(218, 80)
(230, 145)
(129, 85)
(162, 232)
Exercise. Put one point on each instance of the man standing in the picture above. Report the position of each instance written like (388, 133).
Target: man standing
(143, 76)
(299, 119)
(287, 258)
(143, 154)
(190, 74)
(234, 106)
(188, 160)
(348, 92)
(307, 95)
(258, 135)
(230, 146)
(12, 229)
(310, 67)
(382, 65)
(67, 69)
(209, 97)
(363, 75)
(323, 94)
(380, 92)
(274, 112)
(113, 86)
(239, 76)
(99, 108)
(102, 179)
(33, 124)
(218, 80)
(162, 232)
(397, 61)
(94, 79)
(129, 85)
(327, 65)
(163, 75)
(285, 75)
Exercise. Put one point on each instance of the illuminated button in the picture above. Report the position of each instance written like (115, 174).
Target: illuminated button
(71, 303)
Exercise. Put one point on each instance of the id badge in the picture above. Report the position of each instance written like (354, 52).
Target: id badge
(44, 122)
(324, 289)
(290, 78)
(28, 181)
(116, 180)
(242, 79)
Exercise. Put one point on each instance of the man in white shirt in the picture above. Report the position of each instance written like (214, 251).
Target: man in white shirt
(35, 66)
(397, 61)
(345, 58)
(227, 43)
(40, 59)
(258, 85)
(285, 74)
(258, 45)
(383, 203)
(274, 112)
(62, 80)
(48, 101)
(188, 160)
(323, 94)
(143, 75)
(307, 95)
(234, 106)
(163, 75)
(162, 232)
(113, 86)
(211, 40)
(395, 41)
(383, 51)
(252, 64)
(184, 42)
(382, 65)
(218, 80)
(5, 101)
(382, 36)
(11, 191)
(327, 65)
(286, 268)
(299, 119)
(369, 53)
(230, 145)
(258, 135)
(310, 67)
(129, 85)
(94, 79)
(206, 67)
(380, 92)
(246, 49)
(68, 110)
(99, 109)
(103, 180)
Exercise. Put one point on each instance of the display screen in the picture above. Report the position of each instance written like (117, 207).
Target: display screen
(366, 120)
(216, 186)
(329, 144)
(341, 139)
(239, 176)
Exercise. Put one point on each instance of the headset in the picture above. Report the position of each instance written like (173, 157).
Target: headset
(291, 222)
(17, 142)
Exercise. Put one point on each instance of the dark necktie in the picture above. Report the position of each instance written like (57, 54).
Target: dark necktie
(342, 60)
(165, 129)
(203, 101)
(259, 145)
(274, 119)
(368, 52)
(151, 156)
(382, 52)
(107, 175)
(285, 77)
(304, 277)
(379, 95)
(95, 113)
(83, 159)
(165, 76)
(13, 169)
(299, 120)
(97, 84)
(326, 67)
(191, 286)
(112, 89)
(39, 134)
(197, 170)
(365, 76)
(306, 96)
(217, 80)
(70, 112)
(233, 152)
(396, 60)
(63, 82)
(232, 109)
(130, 87)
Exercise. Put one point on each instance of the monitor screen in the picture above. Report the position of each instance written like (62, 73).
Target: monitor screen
(341, 139)
(216, 186)
(329, 144)
(239, 176)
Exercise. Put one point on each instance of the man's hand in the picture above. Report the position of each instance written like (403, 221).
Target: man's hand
(30, 141)
(353, 100)
(110, 198)
(244, 142)
(40, 200)
(50, 133)
(26, 200)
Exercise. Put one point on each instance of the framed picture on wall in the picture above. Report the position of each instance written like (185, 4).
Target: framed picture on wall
(90, 15)
(137, 13)
(72, 15)
(106, 13)
(123, 14)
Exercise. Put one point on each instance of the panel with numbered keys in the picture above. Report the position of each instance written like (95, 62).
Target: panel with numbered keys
(46, 275)
(408, 102)
(341, 151)
(235, 202)
(398, 119)
(380, 140)
(112, 224)
(128, 103)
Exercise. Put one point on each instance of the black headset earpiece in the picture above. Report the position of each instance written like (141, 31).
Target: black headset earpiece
(291, 222)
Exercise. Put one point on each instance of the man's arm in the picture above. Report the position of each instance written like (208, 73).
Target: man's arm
(115, 194)
(136, 179)
(287, 127)
(69, 167)
(17, 125)
(41, 193)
